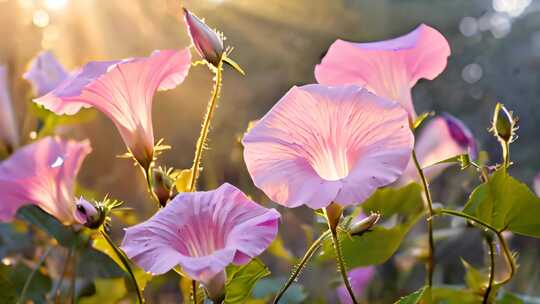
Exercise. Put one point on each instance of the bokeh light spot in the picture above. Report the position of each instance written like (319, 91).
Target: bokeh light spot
(513, 8)
(41, 18)
(468, 26)
(471, 73)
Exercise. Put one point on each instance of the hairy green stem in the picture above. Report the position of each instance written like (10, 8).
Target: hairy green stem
(429, 204)
(201, 142)
(194, 291)
(307, 256)
(491, 250)
(147, 172)
(32, 274)
(332, 225)
(509, 259)
(506, 155)
(504, 246)
(125, 262)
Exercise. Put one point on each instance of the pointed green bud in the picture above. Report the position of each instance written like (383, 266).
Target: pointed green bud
(162, 184)
(504, 125)
(364, 224)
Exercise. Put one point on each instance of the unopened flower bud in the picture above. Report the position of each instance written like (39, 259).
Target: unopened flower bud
(364, 224)
(503, 123)
(87, 214)
(207, 42)
(162, 184)
(461, 134)
(215, 287)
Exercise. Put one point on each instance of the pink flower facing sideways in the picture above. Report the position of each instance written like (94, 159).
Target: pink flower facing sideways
(389, 68)
(123, 90)
(359, 278)
(202, 232)
(441, 138)
(45, 73)
(322, 144)
(43, 173)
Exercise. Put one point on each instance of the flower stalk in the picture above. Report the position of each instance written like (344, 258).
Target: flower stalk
(32, 274)
(194, 291)
(429, 206)
(57, 292)
(504, 246)
(305, 259)
(121, 256)
(201, 142)
(491, 251)
(333, 214)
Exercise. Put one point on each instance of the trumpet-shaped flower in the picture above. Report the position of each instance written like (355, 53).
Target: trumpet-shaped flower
(359, 278)
(42, 173)
(123, 90)
(388, 68)
(207, 42)
(202, 232)
(9, 136)
(442, 137)
(322, 144)
(45, 73)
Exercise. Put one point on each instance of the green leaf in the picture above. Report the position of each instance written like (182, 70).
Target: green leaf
(463, 160)
(95, 264)
(234, 65)
(101, 244)
(44, 221)
(7, 291)
(514, 298)
(107, 291)
(13, 240)
(242, 279)
(506, 204)
(477, 281)
(400, 209)
(277, 248)
(413, 298)
(49, 120)
(182, 179)
(509, 298)
(266, 289)
(16, 275)
(454, 295)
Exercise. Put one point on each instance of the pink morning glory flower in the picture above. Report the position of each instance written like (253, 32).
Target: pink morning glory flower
(441, 138)
(45, 73)
(322, 144)
(537, 184)
(389, 68)
(43, 174)
(359, 278)
(207, 42)
(9, 135)
(202, 232)
(123, 90)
